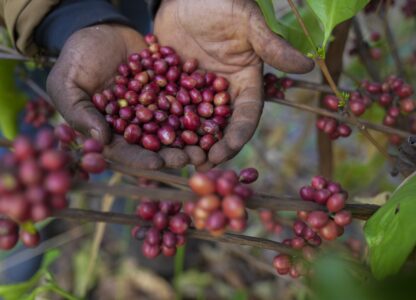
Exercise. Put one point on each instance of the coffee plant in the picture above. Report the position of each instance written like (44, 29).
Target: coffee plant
(335, 224)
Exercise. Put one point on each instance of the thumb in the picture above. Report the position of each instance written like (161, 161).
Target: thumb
(76, 107)
(274, 50)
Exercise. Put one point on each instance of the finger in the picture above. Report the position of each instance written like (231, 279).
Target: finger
(274, 50)
(196, 155)
(243, 123)
(205, 167)
(77, 109)
(119, 151)
(174, 158)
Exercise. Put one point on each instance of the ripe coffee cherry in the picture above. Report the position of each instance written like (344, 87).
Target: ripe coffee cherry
(92, 145)
(132, 134)
(343, 218)
(330, 126)
(321, 196)
(189, 137)
(30, 239)
(405, 91)
(330, 231)
(23, 148)
(150, 142)
(331, 102)
(307, 193)
(58, 182)
(150, 251)
(357, 107)
(220, 84)
(344, 130)
(336, 202)
(317, 219)
(179, 223)
(233, 207)
(190, 65)
(299, 227)
(191, 121)
(297, 243)
(206, 142)
(318, 182)
(385, 100)
(169, 239)
(407, 105)
(147, 210)
(153, 236)
(282, 262)
(248, 175)
(216, 221)
(93, 163)
(166, 135)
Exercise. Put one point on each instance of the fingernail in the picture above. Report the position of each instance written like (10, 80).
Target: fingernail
(95, 134)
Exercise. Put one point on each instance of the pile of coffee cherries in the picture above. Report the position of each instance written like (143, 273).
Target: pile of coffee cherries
(311, 227)
(276, 87)
(168, 225)
(35, 178)
(157, 101)
(38, 112)
(222, 199)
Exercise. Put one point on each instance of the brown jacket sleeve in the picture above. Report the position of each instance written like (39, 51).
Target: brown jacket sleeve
(21, 18)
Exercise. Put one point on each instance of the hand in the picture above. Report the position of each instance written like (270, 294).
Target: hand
(87, 64)
(231, 38)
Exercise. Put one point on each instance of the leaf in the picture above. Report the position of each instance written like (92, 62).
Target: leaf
(294, 33)
(19, 290)
(390, 232)
(267, 9)
(12, 100)
(333, 12)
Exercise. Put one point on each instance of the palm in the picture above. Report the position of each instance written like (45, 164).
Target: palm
(230, 38)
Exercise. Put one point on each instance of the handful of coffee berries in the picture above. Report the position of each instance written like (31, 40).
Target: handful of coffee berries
(157, 100)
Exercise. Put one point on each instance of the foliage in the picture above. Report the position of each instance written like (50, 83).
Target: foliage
(42, 282)
(390, 231)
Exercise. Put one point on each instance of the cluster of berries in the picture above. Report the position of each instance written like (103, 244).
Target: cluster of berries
(158, 100)
(36, 176)
(276, 87)
(38, 112)
(311, 227)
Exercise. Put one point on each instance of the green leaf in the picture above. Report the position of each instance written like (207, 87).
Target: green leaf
(390, 232)
(333, 12)
(12, 100)
(19, 290)
(295, 35)
(267, 9)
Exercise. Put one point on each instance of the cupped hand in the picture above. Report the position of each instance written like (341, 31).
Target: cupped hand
(230, 38)
(88, 63)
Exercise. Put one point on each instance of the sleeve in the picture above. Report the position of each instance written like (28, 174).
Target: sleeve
(21, 17)
(72, 15)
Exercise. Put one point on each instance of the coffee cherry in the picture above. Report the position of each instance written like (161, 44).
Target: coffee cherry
(331, 102)
(317, 219)
(179, 223)
(93, 163)
(343, 218)
(248, 175)
(329, 232)
(336, 202)
(357, 107)
(233, 207)
(307, 193)
(30, 239)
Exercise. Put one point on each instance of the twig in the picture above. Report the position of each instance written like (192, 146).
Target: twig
(275, 203)
(117, 218)
(13, 57)
(154, 175)
(9, 50)
(324, 112)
